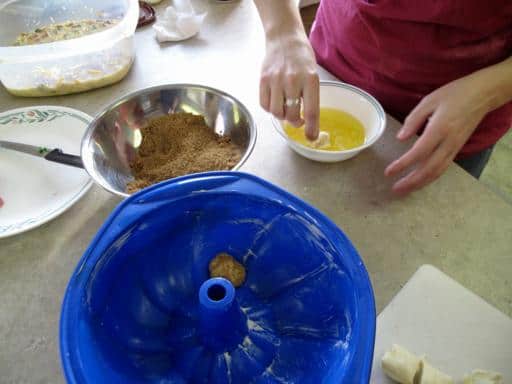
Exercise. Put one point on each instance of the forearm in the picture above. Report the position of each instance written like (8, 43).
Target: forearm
(281, 19)
(495, 84)
(289, 69)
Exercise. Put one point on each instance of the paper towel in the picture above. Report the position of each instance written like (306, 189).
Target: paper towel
(179, 22)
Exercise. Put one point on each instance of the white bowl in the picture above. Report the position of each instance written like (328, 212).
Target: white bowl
(349, 99)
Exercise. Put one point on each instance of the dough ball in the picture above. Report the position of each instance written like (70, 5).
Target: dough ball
(401, 365)
(323, 140)
(226, 266)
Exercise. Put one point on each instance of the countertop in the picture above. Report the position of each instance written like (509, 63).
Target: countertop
(456, 224)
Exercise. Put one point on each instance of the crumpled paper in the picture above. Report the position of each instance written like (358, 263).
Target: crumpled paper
(179, 22)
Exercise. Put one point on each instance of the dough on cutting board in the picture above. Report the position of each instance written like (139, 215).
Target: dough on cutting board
(401, 365)
(406, 368)
(431, 375)
(479, 376)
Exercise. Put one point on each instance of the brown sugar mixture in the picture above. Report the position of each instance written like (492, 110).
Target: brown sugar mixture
(179, 144)
(226, 266)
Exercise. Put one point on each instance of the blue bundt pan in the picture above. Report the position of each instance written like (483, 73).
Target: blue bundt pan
(141, 308)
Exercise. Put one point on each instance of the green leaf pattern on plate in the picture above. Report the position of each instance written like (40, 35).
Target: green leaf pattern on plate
(36, 116)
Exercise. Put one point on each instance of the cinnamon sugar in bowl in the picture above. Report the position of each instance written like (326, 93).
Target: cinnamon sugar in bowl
(161, 132)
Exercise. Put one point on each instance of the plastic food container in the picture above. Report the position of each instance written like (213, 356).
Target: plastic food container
(141, 306)
(68, 66)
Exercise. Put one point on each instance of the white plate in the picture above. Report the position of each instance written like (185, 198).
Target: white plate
(33, 189)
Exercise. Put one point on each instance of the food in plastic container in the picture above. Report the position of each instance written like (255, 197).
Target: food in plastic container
(60, 47)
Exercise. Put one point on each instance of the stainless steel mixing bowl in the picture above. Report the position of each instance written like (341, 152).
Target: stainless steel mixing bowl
(114, 136)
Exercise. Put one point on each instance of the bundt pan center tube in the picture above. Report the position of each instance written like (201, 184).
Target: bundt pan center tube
(222, 323)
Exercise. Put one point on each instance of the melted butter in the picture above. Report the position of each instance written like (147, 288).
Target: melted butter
(345, 131)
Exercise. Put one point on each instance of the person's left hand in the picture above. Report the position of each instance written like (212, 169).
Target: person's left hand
(450, 114)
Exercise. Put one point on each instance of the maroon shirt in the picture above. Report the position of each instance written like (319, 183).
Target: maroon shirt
(401, 50)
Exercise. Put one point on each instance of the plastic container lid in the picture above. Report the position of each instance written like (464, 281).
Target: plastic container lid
(141, 307)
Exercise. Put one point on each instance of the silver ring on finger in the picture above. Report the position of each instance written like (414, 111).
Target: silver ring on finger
(292, 102)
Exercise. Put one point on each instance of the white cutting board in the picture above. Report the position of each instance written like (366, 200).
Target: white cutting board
(433, 315)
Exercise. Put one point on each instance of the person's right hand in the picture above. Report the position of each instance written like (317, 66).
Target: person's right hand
(289, 73)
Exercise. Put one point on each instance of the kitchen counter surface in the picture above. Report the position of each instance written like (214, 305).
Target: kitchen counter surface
(456, 224)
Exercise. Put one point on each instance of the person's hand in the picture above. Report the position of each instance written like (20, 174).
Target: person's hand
(289, 73)
(450, 115)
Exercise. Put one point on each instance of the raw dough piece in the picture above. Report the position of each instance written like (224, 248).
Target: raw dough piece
(406, 368)
(401, 365)
(224, 265)
(479, 376)
(430, 375)
(322, 141)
